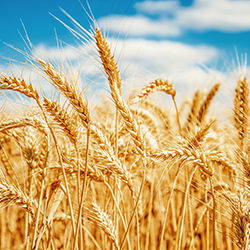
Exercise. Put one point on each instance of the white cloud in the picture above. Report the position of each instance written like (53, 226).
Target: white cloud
(55, 53)
(223, 15)
(169, 18)
(140, 25)
(164, 56)
(80, 58)
(229, 16)
(157, 7)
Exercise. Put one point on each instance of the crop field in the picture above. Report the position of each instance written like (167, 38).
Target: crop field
(129, 173)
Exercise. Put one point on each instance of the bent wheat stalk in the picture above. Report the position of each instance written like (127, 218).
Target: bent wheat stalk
(159, 85)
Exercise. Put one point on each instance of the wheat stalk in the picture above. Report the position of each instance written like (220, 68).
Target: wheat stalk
(193, 110)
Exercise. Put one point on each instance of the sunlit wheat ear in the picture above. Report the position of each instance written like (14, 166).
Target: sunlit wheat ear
(19, 85)
(66, 122)
(188, 154)
(101, 219)
(199, 137)
(23, 122)
(10, 194)
(193, 114)
(205, 105)
(241, 109)
(110, 68)
(41, 161)
(29, 143)
(157, 85)
(62, 84)
(108, 61)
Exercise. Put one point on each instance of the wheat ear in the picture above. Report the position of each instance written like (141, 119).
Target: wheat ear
(205, 105)
(97, 216)
(157, 85)
(19, 85)
(110, 68)
(108, 61)
(194, 110)
(200, 135)
(160, 85)
(241, 109)
(62, 117)
(240, 205)
(62, 85)
(12, 194)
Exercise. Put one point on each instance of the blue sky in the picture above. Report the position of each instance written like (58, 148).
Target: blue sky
(192, 43)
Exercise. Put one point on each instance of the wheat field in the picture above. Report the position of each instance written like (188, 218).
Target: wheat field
(131, 174)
